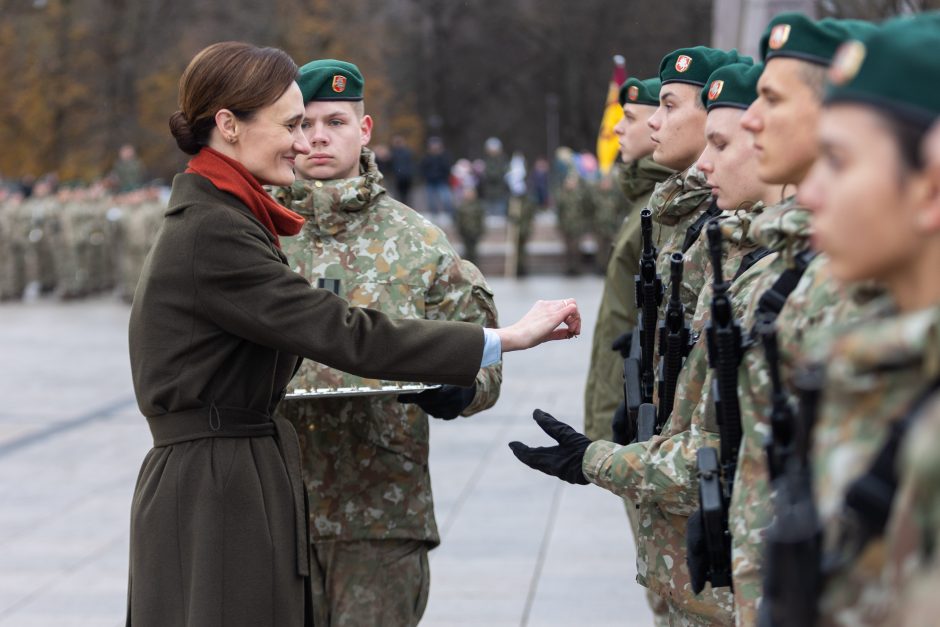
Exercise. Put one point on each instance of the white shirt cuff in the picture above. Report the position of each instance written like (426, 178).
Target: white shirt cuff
(492, 348)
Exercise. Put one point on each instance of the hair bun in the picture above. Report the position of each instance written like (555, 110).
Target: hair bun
(183, 133)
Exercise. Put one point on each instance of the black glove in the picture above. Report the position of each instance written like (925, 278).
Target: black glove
(562, 461)
(622, 344)
(622, 428)
(446, 402)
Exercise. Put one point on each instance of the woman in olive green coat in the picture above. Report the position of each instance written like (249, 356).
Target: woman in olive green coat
(218, 522)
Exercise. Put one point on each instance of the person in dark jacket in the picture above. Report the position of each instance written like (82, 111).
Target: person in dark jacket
(218, 520)
(435, 168)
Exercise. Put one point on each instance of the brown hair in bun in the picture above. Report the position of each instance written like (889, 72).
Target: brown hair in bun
(229, 75)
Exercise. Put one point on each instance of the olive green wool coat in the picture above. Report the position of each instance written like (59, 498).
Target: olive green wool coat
(218, 525)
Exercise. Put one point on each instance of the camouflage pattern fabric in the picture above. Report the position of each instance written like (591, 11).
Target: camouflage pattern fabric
(678, 202)
(661, 475)
(12, 252)
(912, 573)
(816, 304)
(366, 458)
(575, 214)
(617, 313)
(471, 225)
(874, 373)
(369, 582)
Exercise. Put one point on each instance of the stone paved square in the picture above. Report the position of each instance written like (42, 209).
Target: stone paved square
(519, 548)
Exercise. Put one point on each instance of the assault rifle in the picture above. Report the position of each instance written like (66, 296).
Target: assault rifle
(716, 480)
(638, 370)
(779, 443)
(792, 553)
(674, 346)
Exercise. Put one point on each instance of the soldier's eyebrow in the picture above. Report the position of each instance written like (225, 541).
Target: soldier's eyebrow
(713, 135)
(666, 95)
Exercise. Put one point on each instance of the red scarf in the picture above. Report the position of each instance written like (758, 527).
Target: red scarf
(232, 177)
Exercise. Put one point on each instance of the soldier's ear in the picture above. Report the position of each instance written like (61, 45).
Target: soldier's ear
(928, 216)
(365, 127)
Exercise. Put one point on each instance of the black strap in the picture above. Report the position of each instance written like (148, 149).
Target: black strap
(869, 498)
(750, 259)
(773, 300)
(692, 233)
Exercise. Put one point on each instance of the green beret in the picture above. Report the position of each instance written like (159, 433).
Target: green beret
(695, 65)
(797, 36)
(635, 91)
(329, 79)
(894, 68)
(733, 85)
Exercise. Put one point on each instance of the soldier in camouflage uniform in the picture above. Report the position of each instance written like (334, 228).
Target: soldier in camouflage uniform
(617, 314)
(914, 530)
(782, 120)
(875, 214)
(574, 209)
(139, 215)
(366, 459)
(660, 476)
(38, 226)
(679, 132)
(12, 259)
(471, 222)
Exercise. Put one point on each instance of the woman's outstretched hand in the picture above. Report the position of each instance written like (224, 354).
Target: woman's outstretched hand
(547, 320)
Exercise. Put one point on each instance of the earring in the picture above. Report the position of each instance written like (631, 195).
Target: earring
(232, 139)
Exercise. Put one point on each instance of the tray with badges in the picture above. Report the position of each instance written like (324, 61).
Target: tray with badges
(384, 387)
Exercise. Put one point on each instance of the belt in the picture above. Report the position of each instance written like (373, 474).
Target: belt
(234, 422)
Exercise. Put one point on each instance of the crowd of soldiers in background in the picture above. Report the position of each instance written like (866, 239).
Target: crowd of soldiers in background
(71, 241)
(589, 206)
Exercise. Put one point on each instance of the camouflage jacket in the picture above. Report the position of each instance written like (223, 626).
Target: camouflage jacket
(678, 202)
(874, 373)
(617, 312)
(574, 205)
(816, 304)
(366, 457)
(912, 572)
(471, 219)
(660, 476)
(610, 207)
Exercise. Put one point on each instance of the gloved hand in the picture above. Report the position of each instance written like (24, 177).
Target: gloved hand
(446, 402)
(622, 428)
(562, 461)
(622, 344)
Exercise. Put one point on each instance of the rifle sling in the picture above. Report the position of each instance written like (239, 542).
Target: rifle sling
(772, 301)
(750, 259)
(869, 499)
(692, 233)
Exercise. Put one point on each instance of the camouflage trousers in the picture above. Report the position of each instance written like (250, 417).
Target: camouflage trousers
(657, 604)
(369, 582)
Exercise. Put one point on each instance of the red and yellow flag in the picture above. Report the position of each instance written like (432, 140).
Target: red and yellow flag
(607, 147)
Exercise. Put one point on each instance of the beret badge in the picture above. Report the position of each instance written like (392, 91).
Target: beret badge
(339, 83)
(779, 36)
(633, 92)
(715, 90)
(683, 63)
(847, 62)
